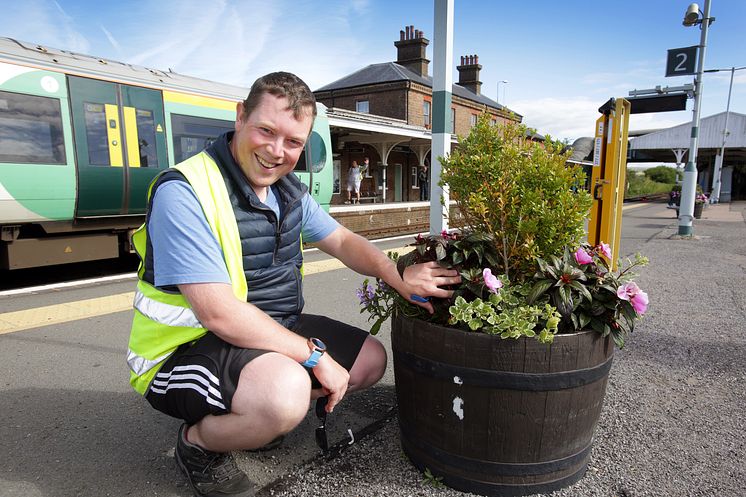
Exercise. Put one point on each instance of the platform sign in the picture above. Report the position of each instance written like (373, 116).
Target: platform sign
(681, 61)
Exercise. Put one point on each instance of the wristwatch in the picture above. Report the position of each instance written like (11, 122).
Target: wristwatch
(317, 350)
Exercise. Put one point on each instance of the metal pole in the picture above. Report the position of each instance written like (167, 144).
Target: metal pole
(717, 174)
(689, 188)
(442, 81)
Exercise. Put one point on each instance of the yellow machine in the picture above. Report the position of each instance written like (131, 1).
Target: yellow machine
(608, 175)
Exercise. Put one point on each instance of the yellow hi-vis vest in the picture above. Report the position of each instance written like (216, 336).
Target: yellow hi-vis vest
(163, 321)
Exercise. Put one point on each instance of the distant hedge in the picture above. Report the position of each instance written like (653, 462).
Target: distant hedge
(661, 174)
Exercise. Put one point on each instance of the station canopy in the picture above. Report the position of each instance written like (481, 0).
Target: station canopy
(662, 145)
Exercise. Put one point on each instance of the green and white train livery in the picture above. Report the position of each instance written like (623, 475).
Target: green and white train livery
(81, 138)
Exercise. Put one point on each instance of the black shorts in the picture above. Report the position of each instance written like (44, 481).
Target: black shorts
(201, 378)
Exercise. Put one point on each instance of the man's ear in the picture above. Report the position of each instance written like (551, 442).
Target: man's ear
(239, 115)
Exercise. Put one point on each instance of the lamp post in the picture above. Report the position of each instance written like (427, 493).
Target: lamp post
(689, 188)
(717, 173)
(498, 90)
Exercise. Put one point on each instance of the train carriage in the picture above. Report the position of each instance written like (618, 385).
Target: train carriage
(82, 137)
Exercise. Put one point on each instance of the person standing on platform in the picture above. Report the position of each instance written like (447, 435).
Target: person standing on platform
(219, 338)
(424, 179)
(354, 178)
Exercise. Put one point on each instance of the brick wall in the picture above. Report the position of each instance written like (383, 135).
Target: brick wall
(377, 222)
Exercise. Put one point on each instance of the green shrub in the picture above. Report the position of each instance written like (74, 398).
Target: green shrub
(642, 185)
(661, 174)
(519, 192)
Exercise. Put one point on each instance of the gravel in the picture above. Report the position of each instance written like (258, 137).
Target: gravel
(672, 422)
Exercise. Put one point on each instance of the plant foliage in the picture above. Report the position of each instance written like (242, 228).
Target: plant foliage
(519, 275)
(520, 192)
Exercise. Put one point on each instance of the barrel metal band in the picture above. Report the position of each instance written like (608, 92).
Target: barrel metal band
(508, 380)
(478, 466)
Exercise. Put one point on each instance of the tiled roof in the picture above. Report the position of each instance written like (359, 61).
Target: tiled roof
(388, 72)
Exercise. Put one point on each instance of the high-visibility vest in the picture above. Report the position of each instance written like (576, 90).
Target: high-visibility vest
(163, 321)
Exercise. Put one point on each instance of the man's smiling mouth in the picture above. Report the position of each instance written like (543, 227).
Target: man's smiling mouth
(265, 164)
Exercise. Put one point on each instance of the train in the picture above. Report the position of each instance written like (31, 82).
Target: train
(82, 137)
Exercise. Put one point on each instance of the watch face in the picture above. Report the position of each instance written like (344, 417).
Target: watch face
(318, 344)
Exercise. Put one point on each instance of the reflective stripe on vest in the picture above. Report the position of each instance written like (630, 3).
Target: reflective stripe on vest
(139, 365)
(170, 315)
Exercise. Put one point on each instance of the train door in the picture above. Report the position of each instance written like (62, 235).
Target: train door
(120, 145)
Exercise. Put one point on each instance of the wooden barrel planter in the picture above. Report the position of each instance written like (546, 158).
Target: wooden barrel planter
(498, 417)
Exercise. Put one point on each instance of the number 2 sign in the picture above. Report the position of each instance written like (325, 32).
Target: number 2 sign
(681, 61)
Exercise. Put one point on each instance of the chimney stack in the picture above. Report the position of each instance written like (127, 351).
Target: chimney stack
(468, 73)
(412, 50)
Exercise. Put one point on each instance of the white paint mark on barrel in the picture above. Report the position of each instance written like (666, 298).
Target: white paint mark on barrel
(458, 407)
(458, 381)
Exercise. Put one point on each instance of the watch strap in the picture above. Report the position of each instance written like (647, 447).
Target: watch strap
(313, 359)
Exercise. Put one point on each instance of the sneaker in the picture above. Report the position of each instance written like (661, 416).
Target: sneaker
(211, 474)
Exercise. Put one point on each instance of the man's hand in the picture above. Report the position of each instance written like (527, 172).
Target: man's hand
(334, 380)
(426, 280)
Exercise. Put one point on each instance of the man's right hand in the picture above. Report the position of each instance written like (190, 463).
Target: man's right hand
(334, 380)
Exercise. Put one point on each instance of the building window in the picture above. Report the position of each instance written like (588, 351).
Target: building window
(473, 120)
(337, 176)
(453, 121)
(493, 122)
(426, 114)
(362, 106)
(415, 180)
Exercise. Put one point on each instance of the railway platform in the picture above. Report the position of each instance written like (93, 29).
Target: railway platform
(672, 421)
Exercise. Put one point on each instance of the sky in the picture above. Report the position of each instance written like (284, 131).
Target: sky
(561, 60)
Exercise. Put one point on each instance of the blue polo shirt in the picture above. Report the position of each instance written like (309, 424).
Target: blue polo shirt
(184, 247)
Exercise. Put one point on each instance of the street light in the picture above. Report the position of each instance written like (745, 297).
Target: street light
(717, 173)
(498, 90)
(689, 188)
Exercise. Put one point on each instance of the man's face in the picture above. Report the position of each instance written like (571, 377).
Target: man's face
(269, 141)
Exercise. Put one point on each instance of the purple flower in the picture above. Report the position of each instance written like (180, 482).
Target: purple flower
(632, 293)
(366, 294)
(491, 281)
(583, 257)
(605, 250)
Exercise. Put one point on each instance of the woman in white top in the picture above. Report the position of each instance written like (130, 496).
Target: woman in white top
(354, 177)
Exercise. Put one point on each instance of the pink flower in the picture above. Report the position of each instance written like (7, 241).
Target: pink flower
(491, 280)
(640, 302)
(631, 292)
(582, 257)
(605, 250)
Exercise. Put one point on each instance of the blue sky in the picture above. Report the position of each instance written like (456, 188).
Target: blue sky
(562, 60)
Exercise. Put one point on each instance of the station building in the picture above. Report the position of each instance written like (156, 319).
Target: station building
(672, 145)
(384, 112)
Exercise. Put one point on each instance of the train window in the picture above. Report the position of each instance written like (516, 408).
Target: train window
(146, 138)
(318, 154)
(193, 134)
(30, 129)
(95, 133)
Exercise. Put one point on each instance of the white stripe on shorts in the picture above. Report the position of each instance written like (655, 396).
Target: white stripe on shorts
(203, 382)
(190, 386)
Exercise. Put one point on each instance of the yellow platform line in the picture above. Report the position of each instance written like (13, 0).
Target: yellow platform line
(64, 313)
(83, 309)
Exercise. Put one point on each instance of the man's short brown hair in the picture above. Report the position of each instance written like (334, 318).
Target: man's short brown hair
(282, 84)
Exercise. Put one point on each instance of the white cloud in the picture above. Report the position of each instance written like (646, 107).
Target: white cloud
(112, 40)
(44, 22)
(561, 118)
